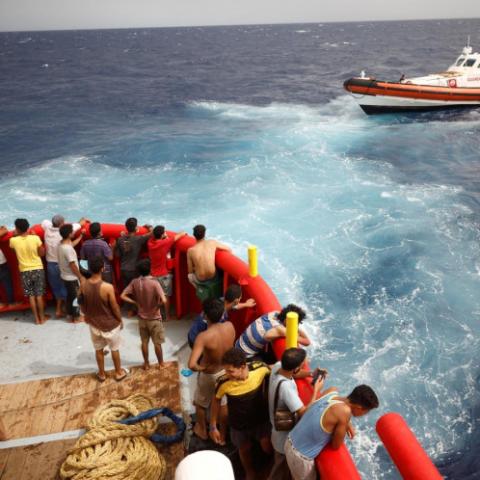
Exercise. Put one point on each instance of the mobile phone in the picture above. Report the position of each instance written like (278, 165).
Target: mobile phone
(319, 372)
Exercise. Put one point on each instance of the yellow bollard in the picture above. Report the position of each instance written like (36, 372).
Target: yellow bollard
(292, 330)
(252, 261)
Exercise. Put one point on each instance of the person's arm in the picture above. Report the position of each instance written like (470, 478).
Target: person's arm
(113, 303)
(107, 252)
(213, 430)
(178, 236)
(197, 352)
(163, 298)
(3, 231)
(46, 224)
(75, 270)
(191, 268)
(40, 248)
(340, 429)
(250, 303)
(77, 240)
(125, 295)
(317, 388)
(303, 338)
(275, 332)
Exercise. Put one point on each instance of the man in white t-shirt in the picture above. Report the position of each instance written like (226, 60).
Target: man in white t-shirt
(52, 240)
(282, 378)
(69, 269)
(5, 277)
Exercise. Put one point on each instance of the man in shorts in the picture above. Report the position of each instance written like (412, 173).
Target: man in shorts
(244, 385)
(202, 273)
(206, 358)
(102, 314)
(146, 294)
(98, 247)
(159, 246)
(29, 250)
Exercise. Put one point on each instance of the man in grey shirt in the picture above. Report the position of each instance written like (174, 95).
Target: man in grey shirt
(283, 377)
(69, 270)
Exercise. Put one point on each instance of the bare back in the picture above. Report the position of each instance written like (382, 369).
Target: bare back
(216, 340)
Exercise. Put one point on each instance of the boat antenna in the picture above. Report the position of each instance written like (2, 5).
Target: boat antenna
(468, 40)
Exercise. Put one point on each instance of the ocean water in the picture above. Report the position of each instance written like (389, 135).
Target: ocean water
(371, 223)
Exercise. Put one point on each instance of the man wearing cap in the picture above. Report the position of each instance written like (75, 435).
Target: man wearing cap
(52, 239)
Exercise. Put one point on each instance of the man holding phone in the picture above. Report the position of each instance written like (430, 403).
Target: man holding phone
(282, 379)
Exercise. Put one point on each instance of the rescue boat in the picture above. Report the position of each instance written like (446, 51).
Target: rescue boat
(458, 87)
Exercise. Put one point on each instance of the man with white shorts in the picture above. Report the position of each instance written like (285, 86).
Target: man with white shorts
(102, 313)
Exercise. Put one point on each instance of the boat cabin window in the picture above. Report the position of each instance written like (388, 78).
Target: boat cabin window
(470, 62)
(460, 61)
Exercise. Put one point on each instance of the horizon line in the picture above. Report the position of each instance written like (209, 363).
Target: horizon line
(236, 25)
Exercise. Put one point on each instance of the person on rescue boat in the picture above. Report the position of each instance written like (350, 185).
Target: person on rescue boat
(270, 326)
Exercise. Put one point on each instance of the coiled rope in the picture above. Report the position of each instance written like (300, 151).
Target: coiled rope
(115, 450)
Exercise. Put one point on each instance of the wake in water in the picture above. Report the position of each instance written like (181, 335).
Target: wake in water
(388, 269)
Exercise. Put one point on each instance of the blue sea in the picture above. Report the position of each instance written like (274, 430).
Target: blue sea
(371, 223)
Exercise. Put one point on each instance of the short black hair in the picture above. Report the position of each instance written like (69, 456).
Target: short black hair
(213, 309)
(292, 358)
(233, 292)
(95, 264)
(158, 231)
(131, 224)
(22, 225)
(282, 316)
(65, 230)
(235, 357)
(199, 232)
(364, 396)
(143, 267)
(95, 229)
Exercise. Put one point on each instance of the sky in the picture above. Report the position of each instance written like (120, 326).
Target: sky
(18, 15)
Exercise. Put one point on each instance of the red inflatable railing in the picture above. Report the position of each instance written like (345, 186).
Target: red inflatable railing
(410, 458)
(404, 449)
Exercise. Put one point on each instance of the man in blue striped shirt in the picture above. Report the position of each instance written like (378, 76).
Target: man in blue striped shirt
(254, 340)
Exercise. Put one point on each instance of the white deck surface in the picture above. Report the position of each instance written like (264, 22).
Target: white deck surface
(60, 348)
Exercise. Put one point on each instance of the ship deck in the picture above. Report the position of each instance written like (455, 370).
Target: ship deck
(43, 412)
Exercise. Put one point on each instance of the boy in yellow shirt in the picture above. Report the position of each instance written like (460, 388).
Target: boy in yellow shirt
(29, 250)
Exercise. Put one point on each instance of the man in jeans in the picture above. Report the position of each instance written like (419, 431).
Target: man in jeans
(69, 270)
(282, 379)
(52, 239)
(102, 313)
(145, 293)
(29, 250)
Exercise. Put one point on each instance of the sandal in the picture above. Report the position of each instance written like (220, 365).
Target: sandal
(99, 378)
(123, 377)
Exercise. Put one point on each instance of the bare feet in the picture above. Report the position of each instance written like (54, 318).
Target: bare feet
(79, 319)
(161, 365)
(146, 366)
(45, 318)
(59, 315)
(200, 431)
(101, 378)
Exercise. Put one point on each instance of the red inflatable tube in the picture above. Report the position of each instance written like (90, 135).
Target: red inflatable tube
(404, 449)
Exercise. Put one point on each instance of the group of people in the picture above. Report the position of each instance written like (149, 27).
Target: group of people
(240, 387)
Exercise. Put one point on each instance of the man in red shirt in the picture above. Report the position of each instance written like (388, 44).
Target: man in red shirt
(159, 246)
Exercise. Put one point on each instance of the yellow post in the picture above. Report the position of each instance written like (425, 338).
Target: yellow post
(292, 330)
(252, 261)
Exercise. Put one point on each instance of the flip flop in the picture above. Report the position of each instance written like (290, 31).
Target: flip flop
(127, 373)
(99, 378)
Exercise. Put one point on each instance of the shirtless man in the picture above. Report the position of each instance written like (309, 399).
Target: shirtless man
(201, 257)
(206, 358)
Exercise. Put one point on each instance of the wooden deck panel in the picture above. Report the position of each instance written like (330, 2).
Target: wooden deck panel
(66, 403)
